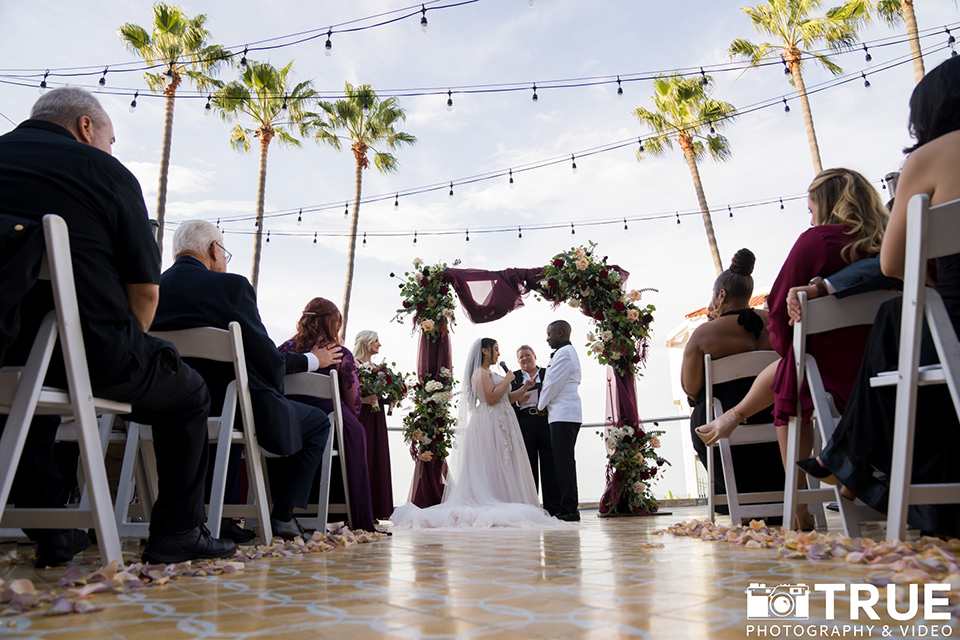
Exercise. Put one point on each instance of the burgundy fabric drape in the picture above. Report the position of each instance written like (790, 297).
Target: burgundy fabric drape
(625, 390)
(428, 477)
(489, 295)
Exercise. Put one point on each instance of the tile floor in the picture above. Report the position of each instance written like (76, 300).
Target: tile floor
(601, 581)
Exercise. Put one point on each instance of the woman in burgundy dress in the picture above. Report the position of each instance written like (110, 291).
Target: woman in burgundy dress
(848, 220)
(320, 325)
(365, 346)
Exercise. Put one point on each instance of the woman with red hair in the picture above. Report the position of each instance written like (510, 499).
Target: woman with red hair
(320, 325)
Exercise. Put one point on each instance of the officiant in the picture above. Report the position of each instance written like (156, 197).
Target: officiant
(534, 427)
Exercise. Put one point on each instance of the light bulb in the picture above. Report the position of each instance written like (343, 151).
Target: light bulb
(786, 107)
(449, 100)
(168, 76)
(300, 217)
(346, 210)
(423, 20)
(133, 103)
(243, 60)
(328, 47)
(103, 80)
(366, 108)
(866, 83)
(619, 89)
(396, 202)
(284, 108)
(867, 56)
(208, 108)
(511, 178)
(536, 100)
(43, 83)
(573, 159)
(314, 238)
(451, 191)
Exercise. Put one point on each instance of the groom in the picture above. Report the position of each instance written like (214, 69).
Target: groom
(559, 397)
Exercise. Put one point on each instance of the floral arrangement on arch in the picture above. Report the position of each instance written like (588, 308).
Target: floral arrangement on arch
(633, 464)
(382, 381)
(428, 428)
(429, 298)
(578, 278)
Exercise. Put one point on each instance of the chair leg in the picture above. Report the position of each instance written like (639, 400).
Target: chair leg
(323, 492)
(218, 487)
(711, 491)
(96, 482)
(790, 471)
(257, 479)
(125, 489)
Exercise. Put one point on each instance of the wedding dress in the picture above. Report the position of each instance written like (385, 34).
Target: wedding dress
(490, 482)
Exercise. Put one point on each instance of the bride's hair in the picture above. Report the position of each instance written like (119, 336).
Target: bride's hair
(486, 343)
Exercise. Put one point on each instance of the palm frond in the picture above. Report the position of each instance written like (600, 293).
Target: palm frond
(240, 138)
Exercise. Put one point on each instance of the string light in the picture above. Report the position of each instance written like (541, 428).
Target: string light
(511, 178)
(730, 211)
(414, 237)
(328, 47)
(468, 235)
(867, 57)
(346, 210)
(103, 80)
(866, 83)
(519, 233)
(703, 77)
(314, 238)
(950, 39)
(573, 158)
(299, 217)
(396, 202)
(208, 108)
(536, 100)
(786, 68)
(573, 231)
(133, 103)
(43, 83)
(619, 89)
(423, 20)
(366, 108)
(678, 217)
(451, 191)
(712, 130)
(284, 108)
(786, 107)
(364, 238)
(243, 60)
(168, 76)
(640, 142)
(781, 204)
(218, 223)
(449, 100)
(268, 237)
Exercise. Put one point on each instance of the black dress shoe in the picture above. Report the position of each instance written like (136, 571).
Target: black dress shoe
(57, 546)
(193, 544)
(289, 530)
(230, 530)
(573, 516)
(813, 468)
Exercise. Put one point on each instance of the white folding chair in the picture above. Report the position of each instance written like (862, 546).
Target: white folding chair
(22, 395)
(318, 385)
(742, 505)
(932, 232)
(819, 316)
(218, 345)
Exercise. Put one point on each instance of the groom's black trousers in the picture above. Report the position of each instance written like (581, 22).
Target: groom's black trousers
(563, 438)
(536, 439)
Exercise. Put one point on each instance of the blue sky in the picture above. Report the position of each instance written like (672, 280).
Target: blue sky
(491, 41)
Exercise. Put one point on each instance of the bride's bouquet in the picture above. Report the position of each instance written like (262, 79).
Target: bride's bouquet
(428, 428)
(382, 381)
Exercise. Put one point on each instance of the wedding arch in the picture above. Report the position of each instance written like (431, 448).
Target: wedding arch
(620, 340)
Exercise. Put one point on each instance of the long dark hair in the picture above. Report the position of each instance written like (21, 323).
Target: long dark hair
(486, 343)
(935, 104)
(320, 322)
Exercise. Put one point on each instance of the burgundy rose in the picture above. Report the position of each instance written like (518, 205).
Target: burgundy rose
(558, 262)
(635, 359)
(619, 306)
(440, 422)
(424, 281)
(552, 283)
(444, 290)
(647, 318)
(644, 475)
(598, 314)
(406, 304)
(426, 272)
(640, 433)
(603, 274)
(575, 280)
(660, 462)
(389, 380)
(420, 307)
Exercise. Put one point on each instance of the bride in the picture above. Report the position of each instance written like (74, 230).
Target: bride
(490, 483)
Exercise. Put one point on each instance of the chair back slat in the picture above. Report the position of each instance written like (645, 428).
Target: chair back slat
(945, 218)
(207, 343)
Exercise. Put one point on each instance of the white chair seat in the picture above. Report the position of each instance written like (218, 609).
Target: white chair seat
(926, 375)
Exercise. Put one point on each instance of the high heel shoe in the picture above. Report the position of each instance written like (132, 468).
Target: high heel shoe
(813, 468)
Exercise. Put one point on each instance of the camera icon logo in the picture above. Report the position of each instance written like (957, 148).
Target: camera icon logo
(788, 601)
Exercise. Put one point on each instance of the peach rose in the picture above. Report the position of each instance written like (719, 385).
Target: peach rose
(427, 325)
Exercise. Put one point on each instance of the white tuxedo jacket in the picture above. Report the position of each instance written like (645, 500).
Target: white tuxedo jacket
(559, 395)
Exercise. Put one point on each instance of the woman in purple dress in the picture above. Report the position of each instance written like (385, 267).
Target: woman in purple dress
(365, 346)
(320, 325)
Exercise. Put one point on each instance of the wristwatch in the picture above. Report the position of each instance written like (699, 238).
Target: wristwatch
(820, 285)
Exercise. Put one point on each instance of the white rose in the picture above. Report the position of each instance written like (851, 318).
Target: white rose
(417, 262)
(573, 302)
(606, 336)
(639, 487)
(431, 386)
(614, 355)
(591, 337)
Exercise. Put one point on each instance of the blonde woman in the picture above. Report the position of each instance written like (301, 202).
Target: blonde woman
(848, 219)
(365, 346)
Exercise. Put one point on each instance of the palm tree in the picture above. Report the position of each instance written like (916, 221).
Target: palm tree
(180, 43)
(683, 111)
(798, 33)
(895, 12)
(263, 93)
(368, 122)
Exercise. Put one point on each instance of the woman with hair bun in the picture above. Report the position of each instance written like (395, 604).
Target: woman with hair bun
(320, 324)
(733, 327)
(848, 220)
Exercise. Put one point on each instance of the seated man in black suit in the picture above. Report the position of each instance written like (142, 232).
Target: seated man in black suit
(197, 292)
(59, 161)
